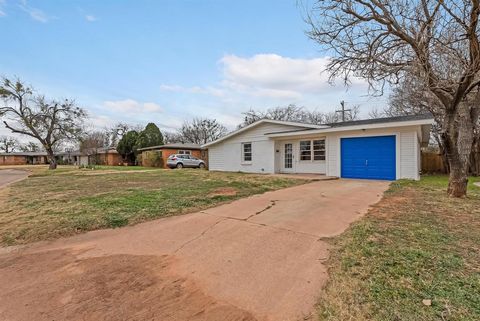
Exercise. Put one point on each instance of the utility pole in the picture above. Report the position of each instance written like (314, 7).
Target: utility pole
(343, 110)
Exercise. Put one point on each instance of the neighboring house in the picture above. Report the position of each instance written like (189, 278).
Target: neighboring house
(101, 156)
(176, 148)
(384, 148)
(93, 156)
(23, 158)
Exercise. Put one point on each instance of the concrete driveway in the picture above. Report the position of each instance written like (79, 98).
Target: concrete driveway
(259, 258)
(8, 176)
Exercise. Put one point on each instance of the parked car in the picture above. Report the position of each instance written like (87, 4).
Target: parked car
(184, 160)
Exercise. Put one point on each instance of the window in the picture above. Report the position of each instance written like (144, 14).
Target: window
(312, 150)
(305, 150)
(186, 152)
(247, 152)
(319, 149)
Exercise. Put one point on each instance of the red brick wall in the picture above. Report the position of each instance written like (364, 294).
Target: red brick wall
(13, 160)
(113, 159)
(168, 151)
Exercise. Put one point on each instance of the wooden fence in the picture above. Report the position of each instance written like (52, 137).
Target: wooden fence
(433, 163)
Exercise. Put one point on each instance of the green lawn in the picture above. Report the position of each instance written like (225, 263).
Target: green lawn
(66, 201)
(416, 244)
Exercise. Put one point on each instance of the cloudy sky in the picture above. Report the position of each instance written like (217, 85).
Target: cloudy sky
(169, 60)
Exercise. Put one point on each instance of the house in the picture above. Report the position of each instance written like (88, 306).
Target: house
(93, 156)
(383, 148)
(176, 148)
(23, 158)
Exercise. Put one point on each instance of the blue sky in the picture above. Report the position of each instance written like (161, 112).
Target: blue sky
(168, 61)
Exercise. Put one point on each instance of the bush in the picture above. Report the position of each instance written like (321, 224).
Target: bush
(152, 159)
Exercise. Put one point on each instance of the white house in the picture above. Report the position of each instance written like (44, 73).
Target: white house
(383, 148)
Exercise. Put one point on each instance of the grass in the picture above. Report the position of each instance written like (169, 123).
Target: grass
(51, 204)
(416, 244)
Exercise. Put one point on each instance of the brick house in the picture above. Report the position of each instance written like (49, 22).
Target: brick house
(175, 148)
(100, 156)
(23, 158)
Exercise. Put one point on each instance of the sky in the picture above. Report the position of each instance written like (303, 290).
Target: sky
(167, 61)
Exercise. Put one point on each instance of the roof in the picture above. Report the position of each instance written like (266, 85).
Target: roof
(24, 154)
(262, 121)
(382, 120)
(386, 122)
(173, 146)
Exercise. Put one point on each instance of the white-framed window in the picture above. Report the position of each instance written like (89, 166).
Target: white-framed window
(318, 149)
(185, 152)
(305, 150)
(246, 152)
(312, 150)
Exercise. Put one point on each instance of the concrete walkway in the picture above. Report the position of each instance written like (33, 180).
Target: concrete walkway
(9, 176)
(259, 258)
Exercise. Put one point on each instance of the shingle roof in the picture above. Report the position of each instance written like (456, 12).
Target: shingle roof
(173, 145)
(24, 154)
(382, 120)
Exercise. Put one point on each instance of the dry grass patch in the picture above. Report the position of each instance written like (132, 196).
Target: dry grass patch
(416, 244)
(50, 204)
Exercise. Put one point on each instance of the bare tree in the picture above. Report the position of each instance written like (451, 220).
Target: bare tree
(30, 147)
(8, 144)
(91, 143)
(201, 131)
(171, 137)
(49, 121)
(383, 41)
(294, 113)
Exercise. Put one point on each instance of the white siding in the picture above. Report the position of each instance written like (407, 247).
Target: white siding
(408, 151)
(226, 155)
(406, 144)
(311, 166)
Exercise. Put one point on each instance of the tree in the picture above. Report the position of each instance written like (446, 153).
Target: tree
(91, 143)
(150, 136)
(127, 146)
(172, 137)
(201, 131)
(30, 147)
(435, 41)
(294, 113)
(8, 144)
(115, 133)
(49, 121)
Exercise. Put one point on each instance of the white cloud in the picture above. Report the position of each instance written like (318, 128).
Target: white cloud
(34, 13)
(272, 75)
(2, 10)
(131, 106)
(90, 18)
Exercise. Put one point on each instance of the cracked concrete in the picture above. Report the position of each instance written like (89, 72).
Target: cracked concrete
(263, 254)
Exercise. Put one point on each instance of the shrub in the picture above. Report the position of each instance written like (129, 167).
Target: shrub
(152, 158)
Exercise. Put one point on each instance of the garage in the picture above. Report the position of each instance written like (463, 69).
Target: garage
(369, 157)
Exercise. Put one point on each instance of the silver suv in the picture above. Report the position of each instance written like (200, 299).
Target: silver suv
(184, 160)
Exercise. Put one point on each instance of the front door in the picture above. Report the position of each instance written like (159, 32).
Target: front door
(288, 161)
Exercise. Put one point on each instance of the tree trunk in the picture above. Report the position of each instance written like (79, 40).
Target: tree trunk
(457, 139)
(458, 179)
(51, 159)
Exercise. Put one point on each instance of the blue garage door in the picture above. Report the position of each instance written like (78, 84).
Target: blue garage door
(368, 157)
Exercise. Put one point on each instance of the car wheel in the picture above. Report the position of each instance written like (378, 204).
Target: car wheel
(179, 165)
(201, 166)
